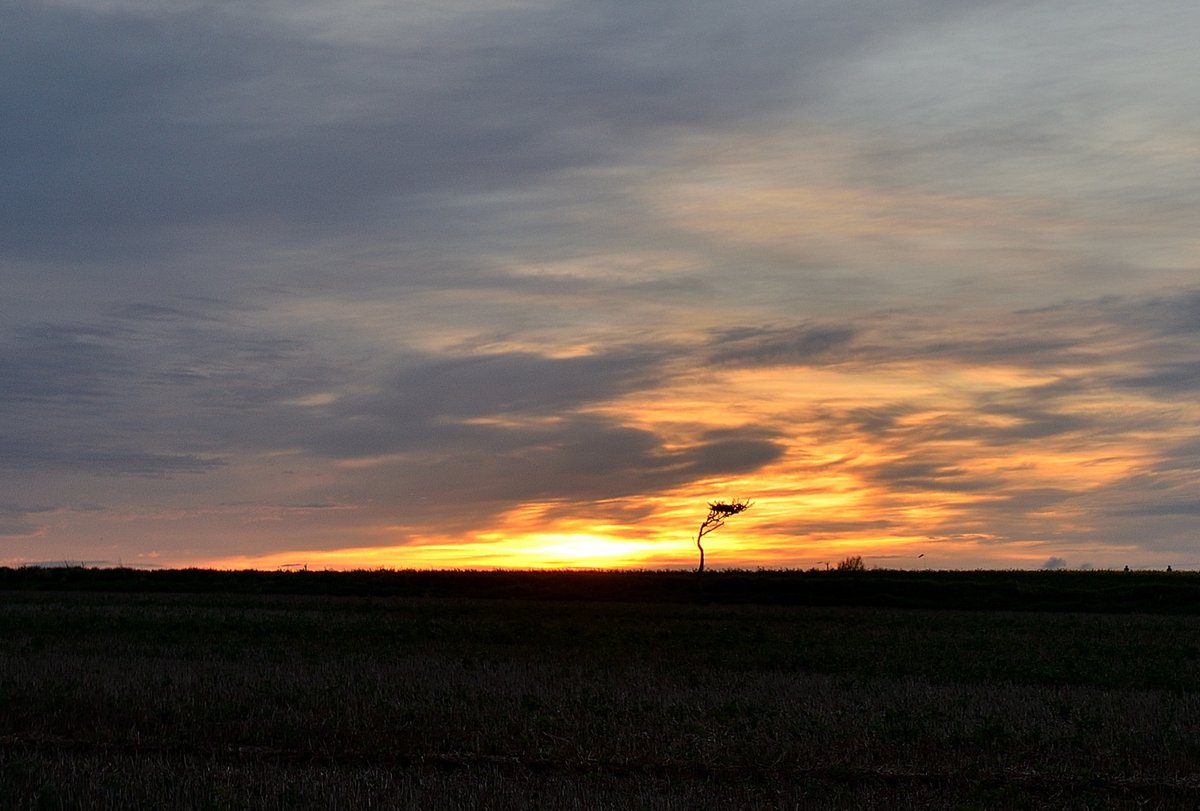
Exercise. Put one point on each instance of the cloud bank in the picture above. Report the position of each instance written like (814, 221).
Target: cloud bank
(394, 285)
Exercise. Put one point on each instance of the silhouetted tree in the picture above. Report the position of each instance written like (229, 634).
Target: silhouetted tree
(718, 511)
(854, 563)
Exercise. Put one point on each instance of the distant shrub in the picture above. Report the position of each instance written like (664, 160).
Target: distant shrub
(854, 563)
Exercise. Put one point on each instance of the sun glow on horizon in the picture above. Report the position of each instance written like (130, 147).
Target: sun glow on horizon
(907, 464)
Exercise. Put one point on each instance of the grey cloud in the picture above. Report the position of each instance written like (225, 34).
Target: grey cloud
(182, 391)
(1154, 507)
(32, 454)
(123, 364)
(576, 461)
(1168, 380)
(1046, 339)
(140, 311)
(771, 346)
(482, 468)
(1181, 456)
(1158, 505)
(1181, 314)
(1024, 422)
(124, 128)
(47, 363)
(1027, 350)
(733, 456)
(1026, 419)
(16, 521)
(807, 527)
(1017, 510)
(880, 420)
(974, 108)
(1176, 312)
(932, 476)
(1084, 334)
(1174, 315)
(426, 402)
(65, 401)
(1031, 422)
(120, 124)
(471, 470)
(621, 461)
(135, 393)
(1017, 498)
(518, 383)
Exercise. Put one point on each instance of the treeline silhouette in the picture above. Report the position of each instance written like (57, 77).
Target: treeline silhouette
(1080, 591)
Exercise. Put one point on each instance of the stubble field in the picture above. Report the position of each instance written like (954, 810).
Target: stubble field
(233, 697)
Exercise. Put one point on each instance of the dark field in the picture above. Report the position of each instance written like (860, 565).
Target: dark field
(124, 689)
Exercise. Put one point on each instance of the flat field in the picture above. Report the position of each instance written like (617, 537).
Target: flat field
(606, 690)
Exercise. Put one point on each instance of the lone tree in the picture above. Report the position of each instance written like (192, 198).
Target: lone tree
(718, 512)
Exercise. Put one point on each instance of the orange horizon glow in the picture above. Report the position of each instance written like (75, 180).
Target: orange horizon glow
(834, 491)
(551, 552)
(825, 498)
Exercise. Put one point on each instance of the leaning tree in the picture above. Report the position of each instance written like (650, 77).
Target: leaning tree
(718, 512)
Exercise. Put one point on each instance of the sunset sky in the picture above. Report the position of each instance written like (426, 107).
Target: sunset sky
(357, 283)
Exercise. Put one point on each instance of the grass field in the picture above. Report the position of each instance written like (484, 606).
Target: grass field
(519, 690)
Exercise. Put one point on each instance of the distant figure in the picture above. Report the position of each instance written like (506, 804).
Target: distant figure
(1168, 567)
(1126, 568)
